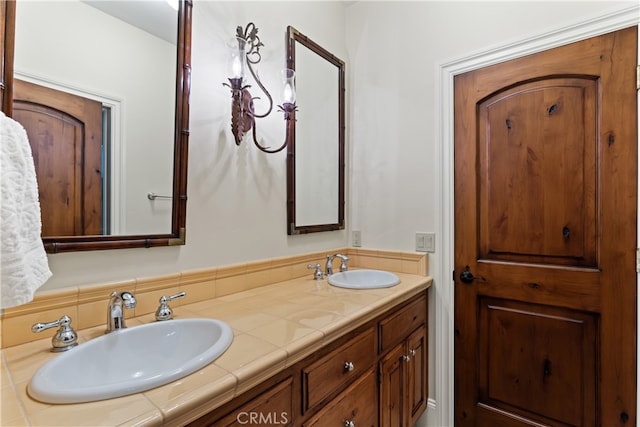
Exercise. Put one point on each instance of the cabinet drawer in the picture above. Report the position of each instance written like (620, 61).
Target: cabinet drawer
(357, 404)
(399, 325)
(337, 368)
(273, 407)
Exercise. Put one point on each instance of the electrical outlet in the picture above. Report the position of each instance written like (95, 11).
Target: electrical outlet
(356, 239)
(425, 242)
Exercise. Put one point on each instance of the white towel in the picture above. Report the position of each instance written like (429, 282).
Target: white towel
(23, 261)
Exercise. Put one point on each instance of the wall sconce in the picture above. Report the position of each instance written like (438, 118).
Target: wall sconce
(245, 53)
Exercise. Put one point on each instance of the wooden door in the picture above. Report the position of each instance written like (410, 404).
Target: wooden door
(545, 237)
(65, 133)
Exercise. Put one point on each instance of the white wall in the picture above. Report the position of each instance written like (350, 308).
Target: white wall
(237, 195)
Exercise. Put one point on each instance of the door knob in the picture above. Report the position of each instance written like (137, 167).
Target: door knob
(466, 276)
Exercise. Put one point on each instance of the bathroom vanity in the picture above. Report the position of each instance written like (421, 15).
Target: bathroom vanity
(376, 372)
(304, 352)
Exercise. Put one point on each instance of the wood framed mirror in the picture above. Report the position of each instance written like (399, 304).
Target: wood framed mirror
(316, 147)
(122, 192)
(7, 30)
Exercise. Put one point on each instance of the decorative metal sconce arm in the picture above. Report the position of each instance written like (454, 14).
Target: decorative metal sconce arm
(264, 90)
(253, 56)
(287, 108)
(243, 114)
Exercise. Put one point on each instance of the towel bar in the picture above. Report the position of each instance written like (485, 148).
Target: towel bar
(153, 196)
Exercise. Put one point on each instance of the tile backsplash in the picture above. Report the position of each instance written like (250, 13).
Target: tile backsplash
(87, 305)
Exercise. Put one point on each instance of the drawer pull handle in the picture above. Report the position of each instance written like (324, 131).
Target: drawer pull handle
(349, 366)
(349, 423)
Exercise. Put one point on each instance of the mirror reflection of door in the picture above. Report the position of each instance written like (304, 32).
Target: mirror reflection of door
(65, 133)
(139, 89)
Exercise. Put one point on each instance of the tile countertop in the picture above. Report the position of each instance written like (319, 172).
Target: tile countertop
(274, 327)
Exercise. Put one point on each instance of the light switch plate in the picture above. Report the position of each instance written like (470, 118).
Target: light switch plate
(356, 239)
(425, 242)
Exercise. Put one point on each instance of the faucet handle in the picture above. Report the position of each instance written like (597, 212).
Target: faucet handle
(64, 339)
(343, 262)
(164, 312)
(317, 275)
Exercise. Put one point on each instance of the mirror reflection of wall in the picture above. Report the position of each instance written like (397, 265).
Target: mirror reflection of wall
(318, 142)
(317, 136)
(131, 73)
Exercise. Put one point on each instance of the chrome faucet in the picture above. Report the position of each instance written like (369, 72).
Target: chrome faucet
(343, 263)
(115, 310)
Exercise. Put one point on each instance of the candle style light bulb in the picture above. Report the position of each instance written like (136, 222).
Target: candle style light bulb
(236, 67)
(237, 60)
(289, 93)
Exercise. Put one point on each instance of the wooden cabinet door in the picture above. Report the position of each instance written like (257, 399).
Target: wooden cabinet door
(403, 385)
(393, 388)
(417, 384)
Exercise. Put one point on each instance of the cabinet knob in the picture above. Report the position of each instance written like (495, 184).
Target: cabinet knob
(412, 351)
(406, 358)
(349, 423)
(349, 366)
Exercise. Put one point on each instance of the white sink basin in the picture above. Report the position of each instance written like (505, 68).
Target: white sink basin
(130, 360)
(364, 279)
